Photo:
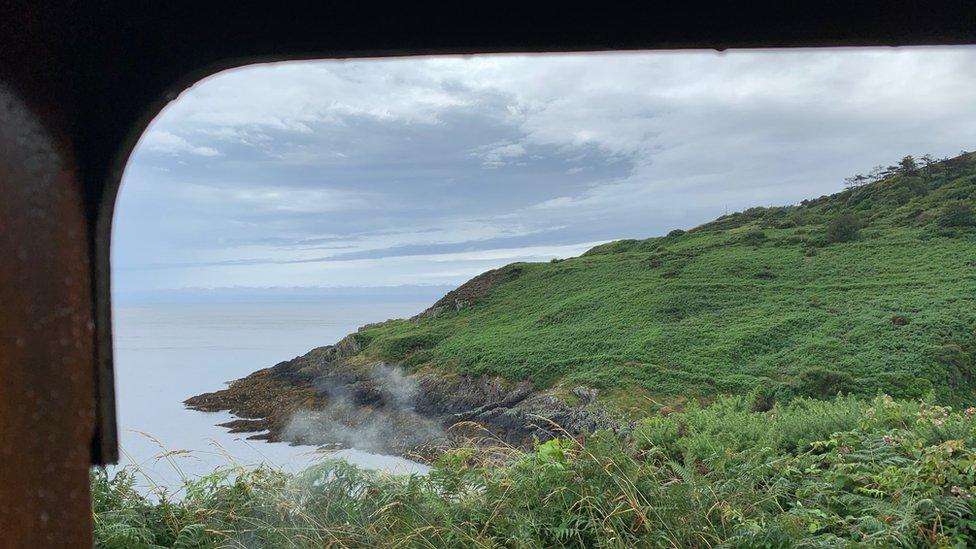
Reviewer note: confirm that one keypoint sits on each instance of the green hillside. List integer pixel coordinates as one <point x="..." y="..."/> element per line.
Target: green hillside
<point x="869" y="290"/>
<point x="872" y="290"/>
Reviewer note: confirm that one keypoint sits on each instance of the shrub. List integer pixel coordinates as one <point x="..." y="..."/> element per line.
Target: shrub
<point x="900" y="320"/>
<point x="615" y="247"/>
<point x="764" y="397"/>
<point x="654" y="262"/>
<point x="401" y="346"/>
<point x="899" y="196"/>
<point x="753" y="238"/>
<point x="843" y="228"/>
<point x="417" y="358"/>
<point x="823" y="383"/>
<point x="956" y="214"/>
<point x="676" y="232"/>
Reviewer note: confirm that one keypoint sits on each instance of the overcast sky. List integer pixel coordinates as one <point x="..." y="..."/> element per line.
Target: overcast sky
<point x="428" y="171"/>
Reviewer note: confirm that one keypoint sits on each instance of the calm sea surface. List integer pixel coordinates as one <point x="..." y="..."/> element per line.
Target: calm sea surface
<point x="166" y="353"/>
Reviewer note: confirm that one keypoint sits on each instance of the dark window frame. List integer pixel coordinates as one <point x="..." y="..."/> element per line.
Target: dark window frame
<point x="85" y="80"/>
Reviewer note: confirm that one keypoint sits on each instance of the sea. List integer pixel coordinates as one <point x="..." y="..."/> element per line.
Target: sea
<point x="167" y="352"/>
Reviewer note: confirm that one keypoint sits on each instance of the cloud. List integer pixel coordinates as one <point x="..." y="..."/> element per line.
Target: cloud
<point x="558" y="202"/>
<point x="296" y="97"/>
<point x="498" y="154"/>
<point x="390" y="171"/>
<point x="276" y="199"/>
<point x="168" y="143"/>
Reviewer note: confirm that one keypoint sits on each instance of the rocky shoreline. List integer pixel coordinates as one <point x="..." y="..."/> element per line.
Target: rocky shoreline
<point x="334" y="396"/>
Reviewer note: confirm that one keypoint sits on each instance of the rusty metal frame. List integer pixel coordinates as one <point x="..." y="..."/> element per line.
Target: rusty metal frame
<point x="82" y="81"/>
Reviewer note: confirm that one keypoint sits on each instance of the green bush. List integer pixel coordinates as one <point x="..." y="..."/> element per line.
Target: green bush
<point x="957" y="214"/>
<point x="754" y="237"/>
<point x="400" y="347"/>
<point x="823" y="383"/>
<point x="843" y="228"/>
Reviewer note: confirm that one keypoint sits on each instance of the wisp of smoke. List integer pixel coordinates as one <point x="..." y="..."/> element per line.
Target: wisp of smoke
<point x="372" y="410"/>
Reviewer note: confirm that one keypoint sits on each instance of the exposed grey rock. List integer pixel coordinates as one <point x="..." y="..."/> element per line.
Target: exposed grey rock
<point x="586" y="395"/>
<point x="382" y="407"/>
<point x="347" y="346"/>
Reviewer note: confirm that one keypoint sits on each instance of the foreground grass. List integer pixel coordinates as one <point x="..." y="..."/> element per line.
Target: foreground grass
<point x="808" y="473"/>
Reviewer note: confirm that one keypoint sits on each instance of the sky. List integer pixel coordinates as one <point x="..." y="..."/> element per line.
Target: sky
<point x="327" y="176"/>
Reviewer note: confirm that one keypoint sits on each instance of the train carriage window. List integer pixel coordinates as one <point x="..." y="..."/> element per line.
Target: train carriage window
<point x="657" y="297"/>
<point x="611" y="277"/>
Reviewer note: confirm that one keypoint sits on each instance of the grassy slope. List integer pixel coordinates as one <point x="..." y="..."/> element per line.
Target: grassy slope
<point x="752" y="300"/>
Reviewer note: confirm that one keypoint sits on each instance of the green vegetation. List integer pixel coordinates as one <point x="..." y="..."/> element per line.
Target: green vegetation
<point x="957" y="214"/>
<point x="811" y="473"/>
<point x="843" y="228"/>
<point x="870" y="290"/>
<point x="729" y="342"/>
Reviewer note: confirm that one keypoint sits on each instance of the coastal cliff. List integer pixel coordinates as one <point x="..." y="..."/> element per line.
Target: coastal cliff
<point x="866" y="291"/>
<point x="335" y="396"/>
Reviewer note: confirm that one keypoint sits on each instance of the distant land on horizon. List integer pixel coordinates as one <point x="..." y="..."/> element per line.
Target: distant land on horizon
<point x="244" y="294"/>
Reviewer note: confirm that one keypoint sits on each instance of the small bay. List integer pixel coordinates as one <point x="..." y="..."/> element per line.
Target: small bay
<point x="165" y="353"/>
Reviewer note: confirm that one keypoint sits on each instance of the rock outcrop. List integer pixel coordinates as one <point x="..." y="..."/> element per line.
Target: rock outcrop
<point x="334" y="396"/>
